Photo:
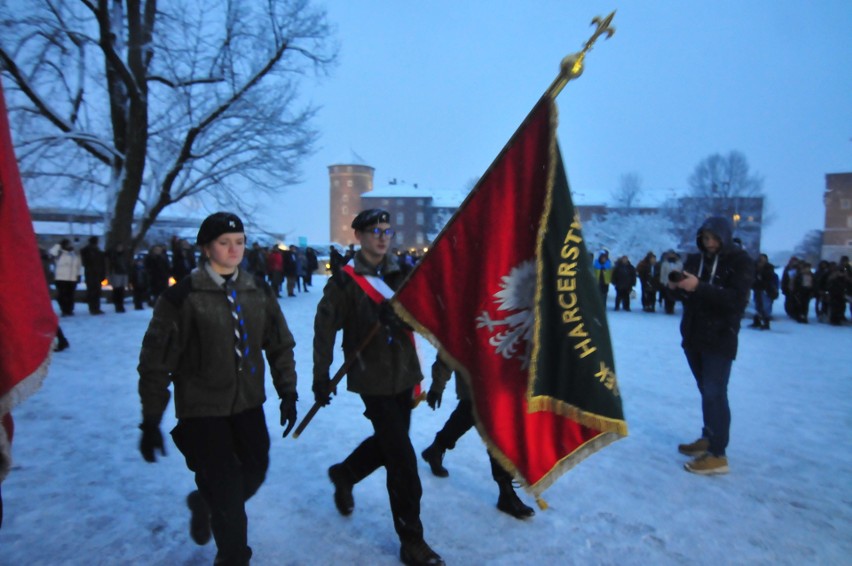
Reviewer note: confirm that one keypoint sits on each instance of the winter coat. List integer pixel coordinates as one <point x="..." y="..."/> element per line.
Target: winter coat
<point x="647" y="274"/>
<point x="158" y="269"/>
<point x="604" y="269"/>
<point x="712" y="313"/>
<point x="766" y="280"/>
<point x="389" y="363"/>
<point x="666" y="267"/>
<point x="190" y="342"/>
<point x="66" y="264"/>
<point x="623" y="276"/>
<point x="94" y="263"/>
<point x="274" y="262"/>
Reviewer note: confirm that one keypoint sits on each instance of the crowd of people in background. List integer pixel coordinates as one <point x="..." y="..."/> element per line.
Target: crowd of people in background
<point x="829" y="286"/>
<point x="291" y="268"/>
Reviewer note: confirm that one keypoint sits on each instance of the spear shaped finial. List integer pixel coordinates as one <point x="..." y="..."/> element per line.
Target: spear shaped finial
<point x="572" y="65"/>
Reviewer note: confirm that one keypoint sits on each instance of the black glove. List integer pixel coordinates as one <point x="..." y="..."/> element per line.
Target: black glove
<point x="288" y="411"/>
<point x="433" y="399"/>
<point x="151" y="440"/>
<point x="389" y="318"/>
<point x="322" y="390"/>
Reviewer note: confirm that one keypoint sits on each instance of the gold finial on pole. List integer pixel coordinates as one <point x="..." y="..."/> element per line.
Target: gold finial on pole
<point x="572" y="65"/>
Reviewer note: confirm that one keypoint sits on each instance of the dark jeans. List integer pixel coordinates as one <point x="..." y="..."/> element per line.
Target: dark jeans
<point x="230" y="456"/>
<point x="460" y="421"/>
<point x="763" y="305"/>
<point x="391" y="447"/>
<point x="712" y="373"/>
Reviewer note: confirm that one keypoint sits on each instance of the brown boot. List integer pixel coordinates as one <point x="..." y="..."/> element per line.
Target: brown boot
<point x="708" y="465"/>
<point x="696" y="448"/>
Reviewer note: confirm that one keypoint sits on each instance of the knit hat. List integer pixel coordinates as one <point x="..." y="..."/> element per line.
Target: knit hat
<point x="217" y="224"/>
<point x="370" y="217"/>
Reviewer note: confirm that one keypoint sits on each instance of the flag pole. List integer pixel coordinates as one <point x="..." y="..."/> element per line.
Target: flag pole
<point x="570" y="68"/>
<point x="572" y="65"/>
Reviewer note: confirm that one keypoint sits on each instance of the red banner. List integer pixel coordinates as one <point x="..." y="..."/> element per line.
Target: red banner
<point x="477" y="295"/>
<point x="27" y="321"/>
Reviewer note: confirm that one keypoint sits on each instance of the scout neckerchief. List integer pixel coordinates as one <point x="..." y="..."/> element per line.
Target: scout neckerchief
<point x="379" y="291"/>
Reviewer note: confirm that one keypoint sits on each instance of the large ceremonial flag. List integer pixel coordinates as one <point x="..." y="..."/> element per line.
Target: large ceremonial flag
<point x="27" y="321"/>
<point x="507" y="295"/>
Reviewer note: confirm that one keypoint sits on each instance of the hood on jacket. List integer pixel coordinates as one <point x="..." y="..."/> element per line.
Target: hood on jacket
<point x="720" y="227"/>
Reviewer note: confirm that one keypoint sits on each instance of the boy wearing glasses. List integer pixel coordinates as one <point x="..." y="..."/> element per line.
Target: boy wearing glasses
<point x="385" y="373"/>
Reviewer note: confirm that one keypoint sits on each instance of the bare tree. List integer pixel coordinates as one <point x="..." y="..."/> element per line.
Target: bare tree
<point x="810" y="248"/>
<point x="143" y="106"/>
<point x="629" y="191"/>
<point x="720" y="186"/>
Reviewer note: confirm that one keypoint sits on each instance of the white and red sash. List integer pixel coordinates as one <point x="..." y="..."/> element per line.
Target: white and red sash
<point x="379" y="292"/>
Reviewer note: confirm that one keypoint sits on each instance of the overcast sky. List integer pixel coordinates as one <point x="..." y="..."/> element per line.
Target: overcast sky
<point x="429" y="92"/>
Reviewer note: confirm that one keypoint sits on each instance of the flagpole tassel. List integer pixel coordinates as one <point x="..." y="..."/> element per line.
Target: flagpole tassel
<point x="542" y="504"/>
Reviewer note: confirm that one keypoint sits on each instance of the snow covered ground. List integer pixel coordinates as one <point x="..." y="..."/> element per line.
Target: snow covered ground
<point x="80" y="493"/>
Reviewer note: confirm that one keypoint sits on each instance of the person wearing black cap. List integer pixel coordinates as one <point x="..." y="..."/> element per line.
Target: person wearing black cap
<point x="206" y="336"/>
<point x="714" y="287"/>
<point x="354" y="300"/>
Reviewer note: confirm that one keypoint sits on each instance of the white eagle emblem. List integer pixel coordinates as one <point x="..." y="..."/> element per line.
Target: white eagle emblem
<point x="516" y="295"/>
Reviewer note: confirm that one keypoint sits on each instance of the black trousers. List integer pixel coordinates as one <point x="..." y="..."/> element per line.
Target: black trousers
<point x="230" y="456"/>
<point x="622" y="297"/>
<point x="93" y="294"/>
<point x="65" y="295"/>
<point x="460" y="421"/>
<point x="390" y="446"/>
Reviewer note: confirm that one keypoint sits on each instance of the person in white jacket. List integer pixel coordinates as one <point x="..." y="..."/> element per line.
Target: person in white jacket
<point x="66" y="275"/>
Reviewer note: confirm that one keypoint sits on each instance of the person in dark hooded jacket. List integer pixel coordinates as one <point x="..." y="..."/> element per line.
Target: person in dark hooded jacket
<point x="714" y="287"/>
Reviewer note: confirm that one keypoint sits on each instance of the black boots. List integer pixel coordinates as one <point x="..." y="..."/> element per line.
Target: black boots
<point x="756" y="323"/>
<point x="509" y="502"/>
<point x="434" y="456"/>
<point x="343" y="499"/>
<point x="199" y="523"/>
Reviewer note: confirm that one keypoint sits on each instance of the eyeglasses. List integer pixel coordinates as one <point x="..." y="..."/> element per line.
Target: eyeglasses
<point x="378" y="232"/>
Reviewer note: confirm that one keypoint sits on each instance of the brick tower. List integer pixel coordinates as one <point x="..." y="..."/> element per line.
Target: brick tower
<point x="346" y="183"/>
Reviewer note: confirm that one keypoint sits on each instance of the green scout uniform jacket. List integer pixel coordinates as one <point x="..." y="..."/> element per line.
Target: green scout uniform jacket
<point x="389" y="364"/>
<point x="190" y="342"/>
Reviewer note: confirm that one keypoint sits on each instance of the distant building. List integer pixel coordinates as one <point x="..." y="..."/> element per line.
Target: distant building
<point x="837" y="232"/>
<point x="347" y="182"/>
<point x="52" y="224"/>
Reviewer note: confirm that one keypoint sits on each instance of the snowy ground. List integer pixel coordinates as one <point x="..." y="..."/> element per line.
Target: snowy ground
<point x="80" y="493"/>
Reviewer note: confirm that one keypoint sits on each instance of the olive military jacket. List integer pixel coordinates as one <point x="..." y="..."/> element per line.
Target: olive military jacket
<point x="389" y="363"/>
<point x="190" y="342"/>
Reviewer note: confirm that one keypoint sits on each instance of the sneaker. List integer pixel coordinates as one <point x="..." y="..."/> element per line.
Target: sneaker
<point x="708" y="465"/>
<point x="418" y="553"/>
<point x="343" y="499"/>
<point x="696" y="448"/>
<point x="199" y="523"/>
<point x="434" y="456"/>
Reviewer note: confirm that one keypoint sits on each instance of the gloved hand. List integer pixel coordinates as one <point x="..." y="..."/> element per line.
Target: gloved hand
<point x="389" y="318"/>
<point x="151" y="440"/>
<point x="322" y="390"/>
<point x="288" y="411"/>
<point x="433" y="399"/>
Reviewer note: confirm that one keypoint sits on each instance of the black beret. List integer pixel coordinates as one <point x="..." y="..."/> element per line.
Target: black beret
<point x="370" y="217"/>
<point x="217" y="224"/>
